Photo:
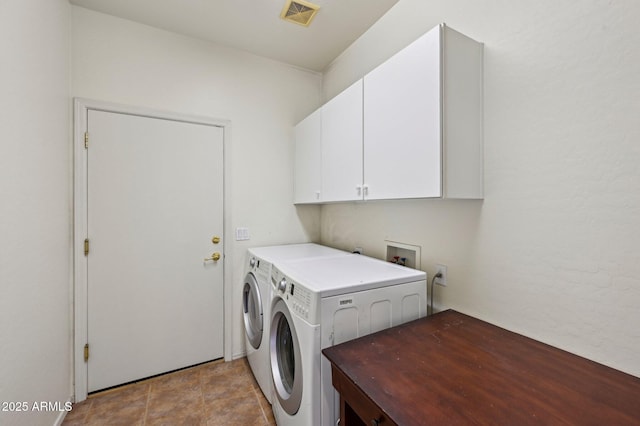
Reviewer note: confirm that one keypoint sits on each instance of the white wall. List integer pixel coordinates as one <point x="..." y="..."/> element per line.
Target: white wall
<point x="121" y="61"/>
<point x="552" y="252"/>
<point x="35" y="239"/>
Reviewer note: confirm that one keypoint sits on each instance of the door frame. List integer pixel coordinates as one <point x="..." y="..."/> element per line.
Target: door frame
<point x="82" y="106"/>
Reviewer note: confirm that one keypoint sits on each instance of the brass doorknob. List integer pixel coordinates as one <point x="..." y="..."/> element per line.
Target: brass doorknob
<point x="215" y="257"/>
<point x="215" y="240"/>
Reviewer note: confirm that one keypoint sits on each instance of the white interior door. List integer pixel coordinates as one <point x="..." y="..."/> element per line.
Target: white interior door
<point x="154" y="203"/>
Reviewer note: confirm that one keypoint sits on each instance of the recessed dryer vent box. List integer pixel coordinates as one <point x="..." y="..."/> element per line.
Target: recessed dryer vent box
<point x="398" y="251"/>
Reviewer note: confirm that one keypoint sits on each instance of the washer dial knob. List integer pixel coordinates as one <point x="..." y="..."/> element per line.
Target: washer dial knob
<point x="282" y="285"/>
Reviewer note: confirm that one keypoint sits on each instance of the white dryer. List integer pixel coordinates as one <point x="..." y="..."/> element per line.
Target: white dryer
<point x="256" y="301"/>
<point x="318" y="303"/>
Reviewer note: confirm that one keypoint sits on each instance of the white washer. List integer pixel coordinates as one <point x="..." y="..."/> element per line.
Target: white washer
<point x="318" y="303"/>
<point x="256" y="301"/>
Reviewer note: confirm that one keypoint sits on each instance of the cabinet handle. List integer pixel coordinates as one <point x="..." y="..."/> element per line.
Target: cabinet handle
<point x="359" y="189"/>
<point x="365" y="188"/>
<point x="376" y="422"/>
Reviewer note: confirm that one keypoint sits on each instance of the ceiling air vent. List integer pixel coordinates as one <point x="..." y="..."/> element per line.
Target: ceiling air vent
<point x="299" y="11"/>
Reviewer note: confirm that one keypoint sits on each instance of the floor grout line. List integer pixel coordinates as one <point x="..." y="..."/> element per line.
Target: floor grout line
<point x="86" y="416"/>
<point x="146" y="407"/>
<point x="257" y="397"/>
<point x="201" y="381"/>
<point x="264" y="414"/>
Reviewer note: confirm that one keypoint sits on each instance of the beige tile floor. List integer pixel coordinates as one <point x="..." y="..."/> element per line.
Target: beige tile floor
<point x="212" y="394"/>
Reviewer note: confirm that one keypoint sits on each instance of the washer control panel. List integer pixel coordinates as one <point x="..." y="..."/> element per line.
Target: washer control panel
<point x="300" y="299"/>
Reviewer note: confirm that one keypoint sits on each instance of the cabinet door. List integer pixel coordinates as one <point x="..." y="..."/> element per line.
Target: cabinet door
<point x="307" y="160"/>
<point x="342" y="146"/>
<point x="402" y="122"/>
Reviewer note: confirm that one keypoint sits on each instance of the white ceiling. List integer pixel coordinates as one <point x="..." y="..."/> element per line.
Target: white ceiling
<point x="255" y="25"/>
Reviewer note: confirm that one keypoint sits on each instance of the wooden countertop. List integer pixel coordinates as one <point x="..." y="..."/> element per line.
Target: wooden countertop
<point x="451" y="368"/>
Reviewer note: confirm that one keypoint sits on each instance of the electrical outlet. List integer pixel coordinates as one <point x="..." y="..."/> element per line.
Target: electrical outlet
<point x="443" y="279"/>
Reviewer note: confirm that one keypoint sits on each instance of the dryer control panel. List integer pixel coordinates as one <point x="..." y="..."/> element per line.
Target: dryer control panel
<point x="261" y="268"/>
<point x="300" y="300"/>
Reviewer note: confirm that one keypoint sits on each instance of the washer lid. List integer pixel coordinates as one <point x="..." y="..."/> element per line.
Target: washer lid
<point x="337" y="275"/>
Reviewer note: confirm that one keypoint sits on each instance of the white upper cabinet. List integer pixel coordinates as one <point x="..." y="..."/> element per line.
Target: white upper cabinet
<point x="308" y="159"/>
<point x="342" y="146"/>
<point x="412" y="128"/>
<point x="423" y="120"/>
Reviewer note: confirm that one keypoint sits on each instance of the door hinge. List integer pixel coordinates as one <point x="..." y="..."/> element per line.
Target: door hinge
<point x="86" y="140"/>
<point x="86" y="352"/>
<point x="86" y="246"/>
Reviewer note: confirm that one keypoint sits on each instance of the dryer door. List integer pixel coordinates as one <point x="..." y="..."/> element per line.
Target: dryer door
<point x="252" y="310"/>
<point x="286" y="368"/>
